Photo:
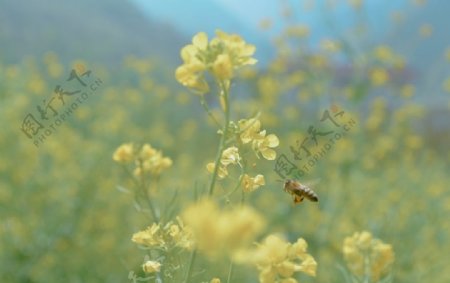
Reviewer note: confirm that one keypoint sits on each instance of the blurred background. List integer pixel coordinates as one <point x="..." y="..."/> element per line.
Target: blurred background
<point x="385" y="63"/>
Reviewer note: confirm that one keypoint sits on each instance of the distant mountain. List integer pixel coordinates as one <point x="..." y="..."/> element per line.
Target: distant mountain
<point x="101" y="31"/>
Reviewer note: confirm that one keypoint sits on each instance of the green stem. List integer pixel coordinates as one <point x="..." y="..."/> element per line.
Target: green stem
<point x="146" y="194"/>
<point x="191" y="264"/>
<point x="222" y="140"/>
<point x="205" y="106"/>
<point x="138" y="186"/>
<point x="230" y="272"/>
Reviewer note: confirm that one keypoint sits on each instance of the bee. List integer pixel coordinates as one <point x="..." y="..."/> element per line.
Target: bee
<point x="299" y="191"/>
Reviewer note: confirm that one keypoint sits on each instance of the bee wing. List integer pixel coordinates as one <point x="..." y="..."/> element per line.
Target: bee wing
<point x="312" y="183"/>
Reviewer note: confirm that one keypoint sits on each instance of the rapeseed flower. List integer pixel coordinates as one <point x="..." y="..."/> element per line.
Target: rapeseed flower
<point x="151" y="266"/>
<point x="366" y="256"/>
<point x="220" y="57"/>
<point x="263" y="144"/>
<point x="277" y="260"/>
<point x="250" y="131"/>
<point x="250" y="184"/>
<point x="229" y="156"/>
<point x="172" y="234"/>
<point x="222" y="232"/>
<point x="124" y="153"/>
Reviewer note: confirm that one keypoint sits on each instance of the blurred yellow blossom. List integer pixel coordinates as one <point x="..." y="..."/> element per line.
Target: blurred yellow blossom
<point x="425" y="30"/>
<point x="149" y="237"/>
<point x="151" y="161"/>
<point x="330" y="45"/>
<point x="151" y="266"/>
<point x="446" y="85"/>
<point x="220" y="57"/>
<point x="147" y="152"/>
<point x="355" y="3"/>
<point x="278" y="260"/>
<point x="362" y="252"/>
<point x="408" y="90"/>
<point x="379" y="76"/>
<point x="222" y="67"/>
<point x="297" y="31"/>
<point x="215" y="280"/>
<point x="383" y="53"/>
<point x="250" y="184"/>
<point x="219" y="232"/>
<point x="124" y="153"/>
<point x="265" y="24"/>
<point x="447" y="54"/>
<point x="222" y="171"/>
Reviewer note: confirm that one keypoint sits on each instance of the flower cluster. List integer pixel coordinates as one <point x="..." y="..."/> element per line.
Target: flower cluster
<point x="366" y="256"/>
<point x="250" y="131"/>
<point x="250" y="184"/>
<point x="165" y="237"/>
<point x="219" y="232"/>
<point x="220" y="56"/>
<point x="151" y="266"/>
<point x="278" y="260"/>
<point x="229" y="156"/>
<point x="148" y="160"/>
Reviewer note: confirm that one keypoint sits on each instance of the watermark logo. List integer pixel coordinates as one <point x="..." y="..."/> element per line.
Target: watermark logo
<point x="39" y="125"/>
<point x="320" y="140"/>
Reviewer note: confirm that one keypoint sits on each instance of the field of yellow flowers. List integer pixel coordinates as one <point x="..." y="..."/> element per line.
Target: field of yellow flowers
<point x="152" y="174"/>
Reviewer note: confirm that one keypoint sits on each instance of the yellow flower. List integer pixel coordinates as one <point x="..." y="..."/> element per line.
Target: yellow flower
<point x="362" y="252"/>
<point x="249" y="129"/>
<point x="264" y="144"/>
<point x="222" y="67"/>
<point x="165" y="237"/>
<point x="379" y="76"/>
<point x="384" y="53"/>
<point x="230" y="156"/>
<point x="149" y="237"/>
<point x="124" y="153"/>
<point x="191" y="76"/>
<point x="151" y="266"/>
<point x="308" y="265"/>
<point x="221" y="173"/>
<point x="147" y="152"/>
<point x="276" y="258"/>
<point x="408" y="90"/>
<point x="151" y="161"/>
<point x="220" y="57"/>
<point x="215" y="280"/>
<point x="250" y="184"/>
<point x="240" y="52"/>
<point x="222" y="232"/>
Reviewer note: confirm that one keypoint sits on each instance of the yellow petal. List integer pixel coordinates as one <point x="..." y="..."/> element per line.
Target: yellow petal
<point x="200" y="40"/>
<point x="269" y="154"/>
<point x="259" y="180"/>
<point x="272" y="140"/>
